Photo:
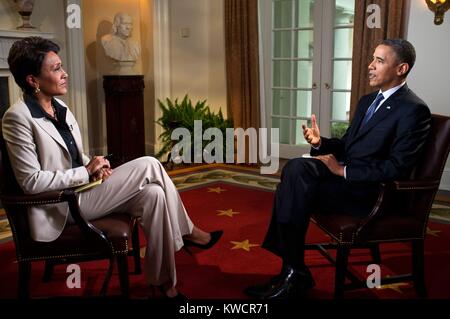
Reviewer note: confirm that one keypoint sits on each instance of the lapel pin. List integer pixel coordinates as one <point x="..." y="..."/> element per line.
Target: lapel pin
<point x="388" y="107"/>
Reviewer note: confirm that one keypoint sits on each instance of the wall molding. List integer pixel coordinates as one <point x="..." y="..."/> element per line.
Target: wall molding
<point x="77" y="83"/>
<point x="161" y="44"/>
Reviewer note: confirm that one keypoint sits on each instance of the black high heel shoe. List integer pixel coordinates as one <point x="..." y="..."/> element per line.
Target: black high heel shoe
<point x="215" y="236"/>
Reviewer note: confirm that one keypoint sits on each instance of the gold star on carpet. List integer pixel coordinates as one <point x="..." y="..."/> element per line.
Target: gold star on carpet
<point x="245" y="245"/>
<point x="217" y="190"/>
<point x="228" y="212"/>
<point x="433" y="232"/>
<point x="396" y="287"/>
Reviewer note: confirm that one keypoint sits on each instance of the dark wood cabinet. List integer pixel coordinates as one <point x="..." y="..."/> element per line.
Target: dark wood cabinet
<point x="124" y="98"/>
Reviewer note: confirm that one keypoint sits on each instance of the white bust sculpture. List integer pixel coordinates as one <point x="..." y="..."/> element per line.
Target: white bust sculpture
<point x="118" y="45"/>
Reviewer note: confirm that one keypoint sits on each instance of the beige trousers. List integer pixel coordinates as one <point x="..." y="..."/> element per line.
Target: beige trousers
<point x="142" y="188"/>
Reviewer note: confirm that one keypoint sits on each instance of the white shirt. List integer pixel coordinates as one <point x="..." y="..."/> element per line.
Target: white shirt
<point x="387" y="94"/>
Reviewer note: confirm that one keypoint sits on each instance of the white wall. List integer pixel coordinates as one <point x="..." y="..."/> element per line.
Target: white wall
<point x="198" y="61"/>
<point x="429" y="78"/>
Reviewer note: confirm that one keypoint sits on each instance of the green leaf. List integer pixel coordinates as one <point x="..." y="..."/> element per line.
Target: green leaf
<point x="183" y="114"/>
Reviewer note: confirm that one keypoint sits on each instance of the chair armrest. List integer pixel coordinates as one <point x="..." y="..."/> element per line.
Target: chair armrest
<point x="35" y="199"/>
<point x="55" y="197"/>
<point x="86" y="227"/>
<point x="387" y="194"/>
<point x="415" y="185"/>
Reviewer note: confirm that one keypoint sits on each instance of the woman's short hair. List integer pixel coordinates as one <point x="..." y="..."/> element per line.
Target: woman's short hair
<point x="26" y="57"/>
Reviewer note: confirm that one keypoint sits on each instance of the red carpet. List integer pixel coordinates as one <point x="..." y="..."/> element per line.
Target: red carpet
<point x="223" y="272"/>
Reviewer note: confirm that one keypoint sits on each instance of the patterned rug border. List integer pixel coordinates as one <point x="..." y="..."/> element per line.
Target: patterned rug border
<point x="208" y="167"/>
<point x="213" y="183"/>
<point x="217" y="175"/>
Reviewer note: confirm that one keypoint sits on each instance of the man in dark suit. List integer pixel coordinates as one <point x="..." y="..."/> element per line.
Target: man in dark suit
<point x="382" y="144"/>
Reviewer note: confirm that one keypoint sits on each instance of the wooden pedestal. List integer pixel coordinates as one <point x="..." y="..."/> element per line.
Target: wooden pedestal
<point x="124" y="98"/>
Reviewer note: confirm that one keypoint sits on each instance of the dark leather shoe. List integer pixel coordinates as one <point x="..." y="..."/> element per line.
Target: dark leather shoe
<point x="215" y="236"/>
<point x="293" y="284"/>
<point x="259" y="291"/>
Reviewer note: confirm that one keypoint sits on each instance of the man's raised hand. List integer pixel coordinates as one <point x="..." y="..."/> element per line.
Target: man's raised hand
<point x="312" y="134"/>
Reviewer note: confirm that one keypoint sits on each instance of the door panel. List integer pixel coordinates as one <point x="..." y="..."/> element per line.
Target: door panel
<point x="307" y="66"/>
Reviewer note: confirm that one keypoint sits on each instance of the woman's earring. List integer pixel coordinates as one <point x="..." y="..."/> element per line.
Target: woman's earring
<point x="37" y="90"/>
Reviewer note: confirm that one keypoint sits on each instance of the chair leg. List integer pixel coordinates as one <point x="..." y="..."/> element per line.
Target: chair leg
<point x="48" y="271"/>
<point x="24" y="279"/>
<point x="107" y="279"/>
<point x="375" y="252"/>
<point x="418" y="268"/>
<point x="342" y="254"/>
<point x="122" y="265"/>
<point x="136" y="249"/>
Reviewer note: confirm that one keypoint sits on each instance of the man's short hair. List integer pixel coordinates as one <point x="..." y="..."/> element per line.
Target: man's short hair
<point x="404" y="51"/>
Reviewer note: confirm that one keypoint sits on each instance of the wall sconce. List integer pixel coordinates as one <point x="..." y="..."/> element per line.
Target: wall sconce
<point x="438" y="7"/>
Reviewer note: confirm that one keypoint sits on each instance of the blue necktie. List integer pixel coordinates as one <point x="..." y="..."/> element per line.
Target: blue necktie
<point x="372" y="108"/>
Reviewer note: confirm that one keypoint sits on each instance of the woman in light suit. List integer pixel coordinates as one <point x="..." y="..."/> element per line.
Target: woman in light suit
<point x="46" y="153"/>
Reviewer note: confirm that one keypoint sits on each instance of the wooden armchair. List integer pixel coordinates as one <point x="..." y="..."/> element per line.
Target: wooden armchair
<point x="104" y="238"/>
<point x="400" y="215"/>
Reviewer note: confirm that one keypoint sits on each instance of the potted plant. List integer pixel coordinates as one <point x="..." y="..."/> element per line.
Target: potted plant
<point x="183" y="114"/>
